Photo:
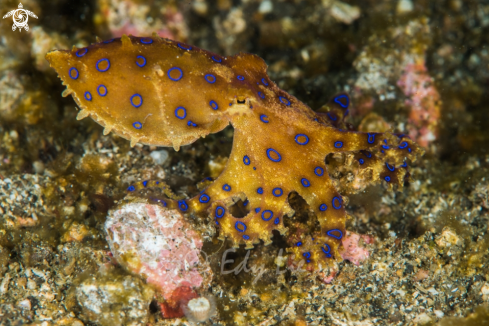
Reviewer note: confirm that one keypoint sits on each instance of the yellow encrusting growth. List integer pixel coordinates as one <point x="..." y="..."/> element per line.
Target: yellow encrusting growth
<point x="160" y="92"/>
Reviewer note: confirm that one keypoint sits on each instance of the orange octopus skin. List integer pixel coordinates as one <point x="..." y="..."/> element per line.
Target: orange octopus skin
<point x="160" y="92"/>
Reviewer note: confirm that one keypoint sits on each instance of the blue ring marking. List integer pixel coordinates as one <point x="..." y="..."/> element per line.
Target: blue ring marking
<point x="337" y="100"/>
<point x="404" y="165"/>
<point x="146" y="40"/>
<point x="280" y="192"/>
<point x="191" y="124"/>
<point x="371" y="138"/>
<point x="305" y="182"/>
<point x="338" y="144"/>
<point x="299" y="142"/>
<point x="102" y="87"/>
<point x="387" y="178"/>
<point x="263" y="80"/>
<point x="299" y="244"/>
<point x="218" y="60"/>
<point x="284" y="100"/>
<point x="175" y="68"/>
<point x="159" y="201"/>
<point x="361" y="161"/>
<point x="210" y="78"/>
<point x="246" y="160"/>
<point x="246" y="202"/>
<point x="307" y="255"/>
<point x="204" y="198"/>
<point x="88" y="96"/>
<point x="367" y="154"/>
<point x="181" y="117"/>
<point x="330" y="233"/>
<point x="240" y="77"/>
<point x="145" y="183"/>
<point x="254" y="168"/>
<point x="403" y="145"/>
<point x="137" y="125"/>
<point x="140" y="100"/>
<point x="131" y="188"/>
<point x="98" y="62"/>
<point x="264" y="118"/>
<point x="326" y="252"/>
<point x="259" y="190"/>
<point x="330" y="117"/>
<point x="220" y="211"/>
<point x="319" y="171"/>
<point x="270" y="158"/>
<point x="108" y="41"/>
<point x="78" y="54"/>
<point x="390" y="167"/>
<point x="260" y="94"/>
<point x="323" y="207"/>
<point x="257" y="210"/>
<point x="246" y="237"/>
<point x="144" y="61"/>
<point x="263" y="215"/>
<point x="226" y="187"/>
<point x="277" y="221"/>
<point x="338" y="199"/>
<point x="241" y="224"/>
<point x="182" y="205"/>
<point x="213" y="105"/>
<point x="183" y="47"/>
<point x="71" y="73"/>
<point x="409" y="149"/>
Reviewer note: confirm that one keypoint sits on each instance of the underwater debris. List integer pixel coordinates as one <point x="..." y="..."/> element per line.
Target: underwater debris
<point x="109" y="299"/>
<point x="352" y="249"/>
<point x="423" y="99"/>
<point x="398" y="58"/>
<point x="131" y="17"/>
<point x="279" y="143"/>
<point x="158" y="244"/>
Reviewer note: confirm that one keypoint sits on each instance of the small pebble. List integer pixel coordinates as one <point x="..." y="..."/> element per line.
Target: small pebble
<point x="24" y="304"/>
<point x="265" y="7"/>
<point x="160" y="156"/>
<point x="404" y="6"/>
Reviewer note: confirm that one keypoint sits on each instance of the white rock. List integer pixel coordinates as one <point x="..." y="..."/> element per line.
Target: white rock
<point x="422" y="319"/>
<point x="265" y="7"/>
<point x="160" y="156"/>
<point x="485" y="291"/>
<point x="345" y="13"/>
<point x="404" y="6"/>
<point x="24" y="304"/>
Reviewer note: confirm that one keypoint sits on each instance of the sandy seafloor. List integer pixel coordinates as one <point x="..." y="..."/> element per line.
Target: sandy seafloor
<point x="416" y="67"/>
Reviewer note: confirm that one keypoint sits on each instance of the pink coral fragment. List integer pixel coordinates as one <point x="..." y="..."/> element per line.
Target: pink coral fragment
<point x="159" y="244"/>
<point x="424" y="100"/>
<point x="352" y="251"/>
